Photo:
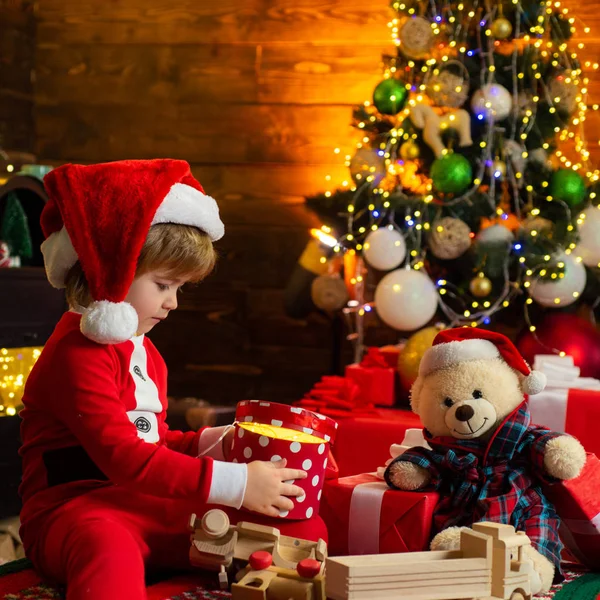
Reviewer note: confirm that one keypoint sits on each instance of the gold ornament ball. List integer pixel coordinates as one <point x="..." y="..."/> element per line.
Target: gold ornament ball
<point x="501" y="28"/>
<point x="498" y="168"/>
<point x="412" y="353"/>
<point x="409" y="151"/>
<point x="480" y="287"/>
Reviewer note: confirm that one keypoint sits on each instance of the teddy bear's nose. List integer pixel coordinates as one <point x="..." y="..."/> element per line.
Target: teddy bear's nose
<point x="464" y="412"/>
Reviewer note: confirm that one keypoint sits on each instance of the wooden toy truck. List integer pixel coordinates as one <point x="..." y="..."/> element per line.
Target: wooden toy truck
<point x="483" y="568"/>
<point x="216" y="544"/>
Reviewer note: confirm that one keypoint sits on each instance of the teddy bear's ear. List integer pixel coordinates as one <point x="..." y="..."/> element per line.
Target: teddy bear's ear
<point x="415" y="394"/>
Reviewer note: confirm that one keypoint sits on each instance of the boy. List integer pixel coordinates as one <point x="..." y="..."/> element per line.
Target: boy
<point x="107" y="488"/>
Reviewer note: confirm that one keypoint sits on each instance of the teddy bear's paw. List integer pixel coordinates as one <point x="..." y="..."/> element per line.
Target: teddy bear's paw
<point x="543" y="570"/>
<point x="448" y="539"/>
<point x="564" y="457"/>
<point x="408" y="476"/>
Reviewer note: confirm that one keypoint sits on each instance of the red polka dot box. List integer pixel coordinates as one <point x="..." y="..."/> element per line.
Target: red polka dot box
<point x="271" y="431"/>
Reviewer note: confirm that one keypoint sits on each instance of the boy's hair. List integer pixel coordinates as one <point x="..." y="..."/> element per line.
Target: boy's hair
<point x="181" y="251"/>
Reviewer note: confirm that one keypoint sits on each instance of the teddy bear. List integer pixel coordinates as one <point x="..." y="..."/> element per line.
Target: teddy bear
<point x="485" y="458"/>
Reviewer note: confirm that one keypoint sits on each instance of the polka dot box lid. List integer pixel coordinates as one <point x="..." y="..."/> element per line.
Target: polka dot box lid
<point x="283" y="415"/>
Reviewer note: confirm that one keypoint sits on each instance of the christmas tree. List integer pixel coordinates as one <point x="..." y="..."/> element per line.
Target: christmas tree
<point x="470" y="194"/>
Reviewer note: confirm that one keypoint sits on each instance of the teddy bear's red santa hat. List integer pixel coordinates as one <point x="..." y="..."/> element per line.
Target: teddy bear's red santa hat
<point x="101" y="214"/>
<point x="453" y="346"/>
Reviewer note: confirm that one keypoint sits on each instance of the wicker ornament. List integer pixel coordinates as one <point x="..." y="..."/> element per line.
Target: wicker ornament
<point x="416" y="37"/>
<point x="449" y="238"/>
<point x="513" y="153"/>
<point x="367" y="165"/>
<point x="539" y="225"/>
<point x="563" y="95"/>
<point x="525" y="104"/>
<point x="447" y="89"/>
<point x="329" y="292"/>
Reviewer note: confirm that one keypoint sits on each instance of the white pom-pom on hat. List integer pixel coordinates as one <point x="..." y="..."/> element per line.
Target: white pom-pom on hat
<point x="534" y="383"/>
<point x="108" y="322"/>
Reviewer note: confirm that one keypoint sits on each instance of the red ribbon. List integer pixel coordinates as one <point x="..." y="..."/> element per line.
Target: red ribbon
<point x="335" y="396"/>
<point x="374" y="358"/>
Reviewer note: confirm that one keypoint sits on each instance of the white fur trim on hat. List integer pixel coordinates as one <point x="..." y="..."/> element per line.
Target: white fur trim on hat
<point x="445" y="355"/>
<point x="108" y="322"/>
<point x="534" y="383"/>
<point x="59" y="257"/>
<point x="186" y="205"/>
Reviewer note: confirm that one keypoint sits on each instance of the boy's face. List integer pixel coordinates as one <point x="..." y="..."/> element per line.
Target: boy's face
<point x="153" y="295"/>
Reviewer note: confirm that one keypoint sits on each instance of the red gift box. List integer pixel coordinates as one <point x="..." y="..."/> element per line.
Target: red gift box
<point x="578" y="505"/>
<point x="569" y="404"/>
<point x="376" y="380"/>
<point x="573" y="411"/>
<point x="363" y="443"/>
<point x="364" y="516"/>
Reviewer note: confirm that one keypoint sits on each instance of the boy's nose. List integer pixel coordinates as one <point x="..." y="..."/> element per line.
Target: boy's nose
<point x="171" y="302"/>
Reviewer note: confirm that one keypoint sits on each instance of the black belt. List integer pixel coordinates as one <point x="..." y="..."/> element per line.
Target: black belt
<point x="73" y="463"/>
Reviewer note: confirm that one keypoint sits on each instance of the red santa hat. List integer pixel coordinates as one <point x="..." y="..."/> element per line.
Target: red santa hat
<point x="101" y="214"/>
<point x="453" y="346"/>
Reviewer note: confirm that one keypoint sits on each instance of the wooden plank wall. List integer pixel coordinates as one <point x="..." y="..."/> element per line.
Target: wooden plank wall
<point x="17" y="52"/>
<point x="256" y="94"/>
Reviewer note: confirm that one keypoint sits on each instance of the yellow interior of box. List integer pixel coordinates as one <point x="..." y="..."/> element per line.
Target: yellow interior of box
<point x="281" y="433"/>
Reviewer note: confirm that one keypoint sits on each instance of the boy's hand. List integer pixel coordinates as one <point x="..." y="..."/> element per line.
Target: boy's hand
<point x="265" y="491"/>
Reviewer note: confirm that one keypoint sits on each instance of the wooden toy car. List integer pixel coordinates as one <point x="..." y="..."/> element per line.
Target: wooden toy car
<point x="483" y="568"/>
<point x="216" y="544"/>
<point x="260" y="580"/>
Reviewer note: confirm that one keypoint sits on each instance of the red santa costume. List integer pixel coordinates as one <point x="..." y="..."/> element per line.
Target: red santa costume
<point x="107" y="488"/>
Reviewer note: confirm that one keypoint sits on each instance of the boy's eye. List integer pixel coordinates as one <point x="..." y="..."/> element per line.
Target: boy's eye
<point x="162" y="286"/>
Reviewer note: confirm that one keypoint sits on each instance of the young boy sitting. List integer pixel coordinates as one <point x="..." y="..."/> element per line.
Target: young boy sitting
<point x="107" y="488"/>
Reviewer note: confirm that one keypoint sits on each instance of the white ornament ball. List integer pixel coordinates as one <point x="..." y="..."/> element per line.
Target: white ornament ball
<point x="406" y="299"/>
<point x="492" y="100"/>
<point x="562" y="291"/>
<point x="494" y="234"/>
<point x="589" y="237"/>
<point x="384" y="249"/>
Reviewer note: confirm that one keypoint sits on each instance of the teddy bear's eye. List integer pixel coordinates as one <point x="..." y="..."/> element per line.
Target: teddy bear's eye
<point x="448" y="402"/>
<point x="477" y="394"/>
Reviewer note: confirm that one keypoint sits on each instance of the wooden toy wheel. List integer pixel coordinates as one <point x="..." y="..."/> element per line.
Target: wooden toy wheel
<point x="215" y="523"/>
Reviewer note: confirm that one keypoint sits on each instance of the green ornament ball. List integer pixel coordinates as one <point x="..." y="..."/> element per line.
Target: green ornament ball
<point x="568" y="186"/>
<point x="451" y="174"/>
<point x="390" y="96"/>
